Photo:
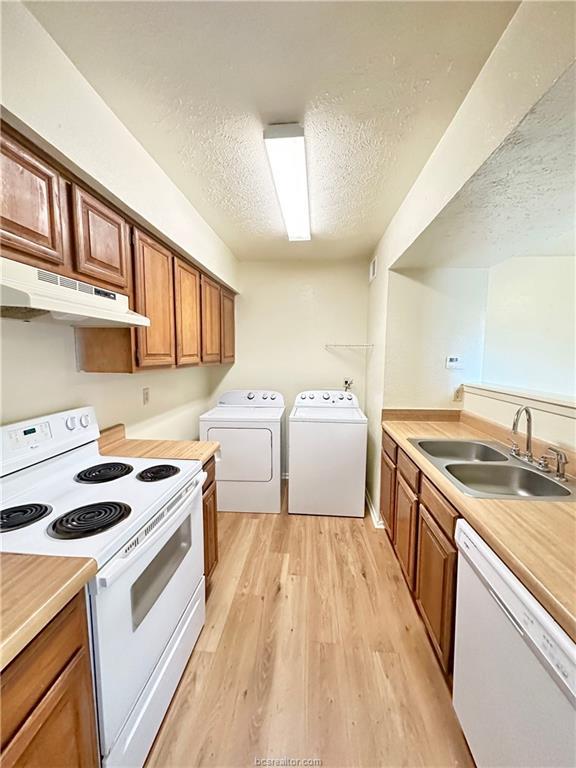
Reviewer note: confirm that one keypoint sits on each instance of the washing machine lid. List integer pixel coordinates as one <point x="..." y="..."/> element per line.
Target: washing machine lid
<point x="332" y="415"/>
<point x="243" y="413"/>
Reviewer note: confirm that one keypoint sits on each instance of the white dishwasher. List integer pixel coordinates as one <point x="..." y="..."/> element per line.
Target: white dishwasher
<point x="514" y="667"/>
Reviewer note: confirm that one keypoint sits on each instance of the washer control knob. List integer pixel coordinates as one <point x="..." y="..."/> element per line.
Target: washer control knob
<point x="251" y="395"/>
<point x="349" y="397"/>
<point x="311" y="396"/>
<point x="340" y="397"/>
<point x="84" y="420"/>
<point x="302" y="397"/>
<point x="265" y="396"/>
<point x="272" y="397"/>
<point x="71" y="423"/>
<point x="326" y="396"/>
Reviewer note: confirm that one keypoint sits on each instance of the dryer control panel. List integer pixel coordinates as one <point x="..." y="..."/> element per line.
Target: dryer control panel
<point x="252" y="397"/>
<point x="327" y="398"/>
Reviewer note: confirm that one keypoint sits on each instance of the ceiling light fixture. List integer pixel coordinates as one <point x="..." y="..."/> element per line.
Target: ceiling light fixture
<point x="287" y="157"/>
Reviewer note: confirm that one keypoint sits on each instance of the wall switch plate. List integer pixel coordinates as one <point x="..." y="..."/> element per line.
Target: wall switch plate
<point x="455" y="362"/>
<point x="145" y="395"/>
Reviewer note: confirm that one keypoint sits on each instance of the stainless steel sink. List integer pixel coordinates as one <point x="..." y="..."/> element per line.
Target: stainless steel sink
<point x="506" y="480"/>
<point x="464" y="450"/>
<point x="487" y="470"/>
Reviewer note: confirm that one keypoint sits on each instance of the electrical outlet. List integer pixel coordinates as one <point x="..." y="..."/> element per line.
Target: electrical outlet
<point x="145" y="395"/>
<point x="459" y="394"/>
<point x="348" y="384"/>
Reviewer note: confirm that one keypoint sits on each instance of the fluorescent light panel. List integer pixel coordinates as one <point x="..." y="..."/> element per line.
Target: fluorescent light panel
<point x="287" y="157"/>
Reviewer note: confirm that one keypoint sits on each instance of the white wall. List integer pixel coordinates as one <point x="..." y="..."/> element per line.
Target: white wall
<point x="531" y="324"/>
<point x="433" y="314"/>
<point x="39" y="376"/>
<point x="286" y="313"/>
<point x="46" y="97"/>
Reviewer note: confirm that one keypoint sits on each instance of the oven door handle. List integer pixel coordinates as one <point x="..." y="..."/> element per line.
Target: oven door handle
<point x="111" y="573"/>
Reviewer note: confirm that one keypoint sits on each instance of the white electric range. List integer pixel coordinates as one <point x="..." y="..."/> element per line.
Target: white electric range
<point x="141" y="521"/>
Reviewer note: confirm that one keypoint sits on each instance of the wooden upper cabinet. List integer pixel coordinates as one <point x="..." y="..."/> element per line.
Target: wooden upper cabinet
<point x="102" y="248"/>
<point x="228" y="330"/>
<point x="436" y="584"/>
<point x="388" y="493"/>
<point x="154" y="297"/>
<point x="211" y="321"/>
<point x="30" y="206"/>
<point x="405" y="527"/>
<point x="187" y="295"/>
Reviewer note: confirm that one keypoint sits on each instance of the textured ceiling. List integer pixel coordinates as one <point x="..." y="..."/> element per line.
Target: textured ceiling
<point x="374" y="83"/>
<point x="521" y="202"/>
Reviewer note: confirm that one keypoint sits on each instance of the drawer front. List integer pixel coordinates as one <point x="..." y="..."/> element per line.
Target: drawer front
<point x="441" y="510"/>
<point x="389" y="446"/>
<point x="409" y="470"/>
<point x="210" y="469"/>
<point x="27" y="679"/>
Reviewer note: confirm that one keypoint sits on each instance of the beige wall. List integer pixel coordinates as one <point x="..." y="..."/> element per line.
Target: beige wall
<point x="285" y="314"/>
<point x="531" y="324"/>
<point x="45" y="96"/>
<point x="433" y="314"/>
<point x="39" y="376"/>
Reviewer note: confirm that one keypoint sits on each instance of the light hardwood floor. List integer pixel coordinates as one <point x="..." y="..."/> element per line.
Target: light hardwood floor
<point x="312" y="649"/>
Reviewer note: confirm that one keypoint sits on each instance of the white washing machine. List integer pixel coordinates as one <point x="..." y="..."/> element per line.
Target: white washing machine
<point x="248" y="426"/>
<point x="327" y="454"/>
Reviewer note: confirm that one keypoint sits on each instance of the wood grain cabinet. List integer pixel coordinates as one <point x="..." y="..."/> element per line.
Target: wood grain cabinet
<point x="228" y="331"/>
<point x="154" y="297"/>
<point x="187" y="300"/>
<point x="48" y="715"/>
<point x="210" y="510"/>
<point x="30" y="218"/>
<point x="405" y="528"/>
<point x="436" y="584"/>
<point x="388" y="493"/>
<point x="101" y="238"/>
<point x="211" y="321"/>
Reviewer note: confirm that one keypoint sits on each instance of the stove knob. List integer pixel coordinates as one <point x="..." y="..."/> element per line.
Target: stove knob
<point x="326" y="396"/>
<point x="340" y="397"/>
<point x="84" y="420"/>
<point x="251" y="395"/>
<point x="311" y="396"/>
<point x="71" y="423"/>
<point x="265" y="396"/>
<point x="349" y="397"/>
<point x="272" y="397"/>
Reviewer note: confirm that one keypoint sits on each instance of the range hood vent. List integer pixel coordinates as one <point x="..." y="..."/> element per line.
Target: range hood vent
<point x="27" y="292"/>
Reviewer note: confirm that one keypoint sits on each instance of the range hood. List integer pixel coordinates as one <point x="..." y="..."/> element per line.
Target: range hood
<point x="27" y="292"/>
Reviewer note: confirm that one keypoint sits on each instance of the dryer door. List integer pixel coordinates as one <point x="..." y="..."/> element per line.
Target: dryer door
<point x="246" y="453"/>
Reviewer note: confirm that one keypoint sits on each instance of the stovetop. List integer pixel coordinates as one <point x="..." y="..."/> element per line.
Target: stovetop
<point x="80" y="490"/>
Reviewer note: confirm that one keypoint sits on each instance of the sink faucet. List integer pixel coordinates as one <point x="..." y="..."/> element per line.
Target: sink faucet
<point x="524" y="409"/>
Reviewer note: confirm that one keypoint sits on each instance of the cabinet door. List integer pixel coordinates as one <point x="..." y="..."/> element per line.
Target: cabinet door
<point x="387" y="493"/>
<point x="154" y="297"/>
<point x="211" y="341"/>
<point x="101" y="240"/>
<point x="187" y="297"/>
<point x="228" y="327"/>
<point x="30" y="206"/>
<point x="60" y="730"/>
<point x="435" y="584"/>
<point x="210" y="530"/>
<point x="405" y="529"/>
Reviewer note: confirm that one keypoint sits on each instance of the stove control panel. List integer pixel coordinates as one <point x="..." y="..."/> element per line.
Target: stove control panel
<point x="28" y="442"/>
<point x="328" y="398"/>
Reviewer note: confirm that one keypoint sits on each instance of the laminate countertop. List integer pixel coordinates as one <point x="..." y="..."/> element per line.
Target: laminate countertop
<point x="535" y="539"/>
<point x="113" y="442"/>
<point x="33" y="589"/>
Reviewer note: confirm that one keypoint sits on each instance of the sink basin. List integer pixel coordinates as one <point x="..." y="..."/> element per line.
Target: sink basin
<point x="505" y="480"/>
<point x="465" y="450"/>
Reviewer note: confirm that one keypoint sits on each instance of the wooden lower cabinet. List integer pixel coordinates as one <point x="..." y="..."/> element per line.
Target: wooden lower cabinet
<point x="48" y="716"/>
<point x="210" y="510"/>
<point x="436" y="585"/>
<point x="388" y="493"/>
<point x="405" y="527"/>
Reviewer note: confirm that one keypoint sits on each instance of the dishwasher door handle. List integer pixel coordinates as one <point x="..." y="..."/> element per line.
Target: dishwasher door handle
<point x="513" y="620"/>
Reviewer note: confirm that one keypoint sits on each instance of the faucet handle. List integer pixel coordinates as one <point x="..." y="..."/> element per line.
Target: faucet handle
<point x="515" y="451"/>
<point x="561" y="461"/>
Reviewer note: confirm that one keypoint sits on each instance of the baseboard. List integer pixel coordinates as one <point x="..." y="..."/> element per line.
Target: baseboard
<point x="377" y="521"/>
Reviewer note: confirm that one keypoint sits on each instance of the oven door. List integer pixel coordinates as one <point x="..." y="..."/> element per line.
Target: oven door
<point x="136" y="602"/>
